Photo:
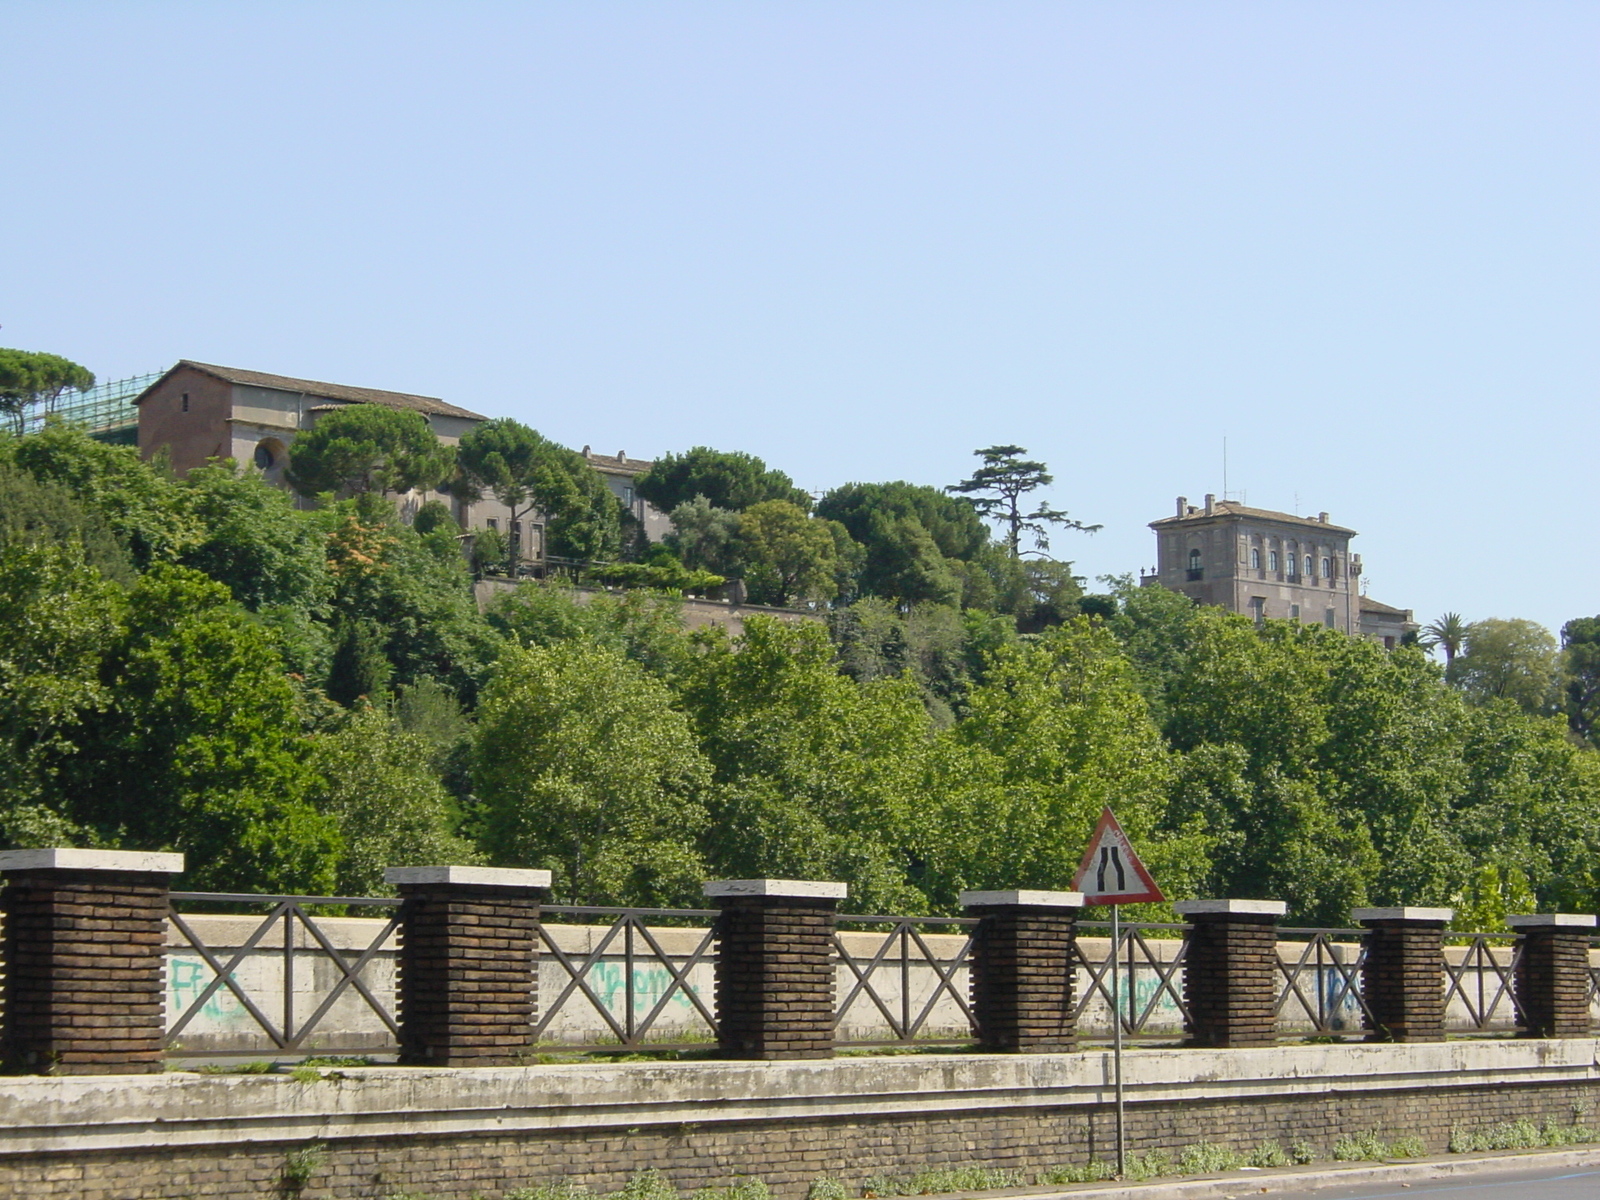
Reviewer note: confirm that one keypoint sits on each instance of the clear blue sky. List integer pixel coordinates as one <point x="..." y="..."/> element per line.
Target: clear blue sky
<point x="860" y="240"/>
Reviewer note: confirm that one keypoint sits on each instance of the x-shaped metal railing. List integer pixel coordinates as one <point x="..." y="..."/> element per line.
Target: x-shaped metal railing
<point x="1323" y="959"/>
<point x="894" y="958"/>
<point x="291" y="912"/>
<point x="638" y="945"/>
<point x="1482" y="982"/>
<point x="1131" y="954"/>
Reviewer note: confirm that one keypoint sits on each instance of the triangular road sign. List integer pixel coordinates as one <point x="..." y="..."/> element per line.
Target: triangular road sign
<point x="1111" y="872"/>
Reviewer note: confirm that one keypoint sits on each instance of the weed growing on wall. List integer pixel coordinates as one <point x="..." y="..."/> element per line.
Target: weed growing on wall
<point x="1268" y="1154"/>
<point x="827" y="1187"/>
<point x="1369" y="1147"/>
<point x="298" y="1168"/>
<point x="646" y="1185"/>
<point x="561" y="1189"/>
<point x="1205" y="1158"/>
<point x="1089" y="1172"/>
<point x="941" y="1179"/>
<point x="1521" y="1135"/>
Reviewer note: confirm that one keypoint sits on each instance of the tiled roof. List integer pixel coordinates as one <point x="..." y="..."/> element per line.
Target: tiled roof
<point x="1369" y="605"/>
<point x="1231" y="508"/>
<point x="617" y="464"/>
<point x="427" y="405"/>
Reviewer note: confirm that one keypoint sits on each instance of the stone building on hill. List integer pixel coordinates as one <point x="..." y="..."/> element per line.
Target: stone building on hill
<point x="619" y="473"/>
<point x="1385" y="623"/>
<point x="197" y="411"/>
<point x="1268" y="564"/>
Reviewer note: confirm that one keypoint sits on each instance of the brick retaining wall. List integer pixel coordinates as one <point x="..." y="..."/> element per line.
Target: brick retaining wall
<point x="453" y="1134"/>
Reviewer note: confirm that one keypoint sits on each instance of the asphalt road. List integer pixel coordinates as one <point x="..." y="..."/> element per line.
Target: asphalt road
<point x="1566" y="1184"/>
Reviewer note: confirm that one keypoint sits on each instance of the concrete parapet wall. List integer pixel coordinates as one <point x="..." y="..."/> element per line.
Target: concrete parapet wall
<point x="451" y="1132"/>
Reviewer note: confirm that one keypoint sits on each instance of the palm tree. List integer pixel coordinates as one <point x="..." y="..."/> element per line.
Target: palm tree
<point x="1449" y="633"/>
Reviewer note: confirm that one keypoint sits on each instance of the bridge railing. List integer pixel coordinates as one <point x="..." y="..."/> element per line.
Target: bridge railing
<point x="252" y="974"/>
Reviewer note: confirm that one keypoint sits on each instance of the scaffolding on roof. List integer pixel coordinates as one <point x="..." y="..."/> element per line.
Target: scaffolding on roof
<point x="104" y="408"/>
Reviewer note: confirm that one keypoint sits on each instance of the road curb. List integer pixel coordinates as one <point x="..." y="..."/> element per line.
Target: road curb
<point x="1238" y="1185"/>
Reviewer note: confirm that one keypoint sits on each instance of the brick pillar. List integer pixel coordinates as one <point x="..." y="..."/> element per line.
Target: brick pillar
<point x="85" y="960"/>
<point x="1230" y="973"/>
<point x="775" y="992"/>
<point x="1552" y="979"/>
<point x="468" y="952"/>
<point x="1402" y="980"/>
<point x="1021" y="969"/>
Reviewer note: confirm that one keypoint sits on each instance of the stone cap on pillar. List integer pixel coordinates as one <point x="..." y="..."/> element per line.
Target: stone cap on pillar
<point x="789" y="889"/>
<point x="1552" y="921"/>
<point x="1231" y="908"/>
<point x="505" y="877"/>
<point x="1364" y="915"/>
<point x="1022" y="898"/>
<point x="66" y="858"/>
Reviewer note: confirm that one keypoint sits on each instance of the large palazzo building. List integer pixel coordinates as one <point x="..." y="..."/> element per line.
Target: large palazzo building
<point x="1268" y="564"/>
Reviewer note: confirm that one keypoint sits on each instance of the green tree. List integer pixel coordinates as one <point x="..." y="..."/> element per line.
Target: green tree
<point x="705" y="537"/>
<point x="360" y="669"/>
<point x="366" y="448"/>
<point x="1246" y="715"/>
<point x="647" y="629"/>
<point x="1325" y="767"/>
<point x="1531" y="804"/>
<point x="785" y="555"/>
<point x="254" y="540"/>
<point x="58" y="619"/>
<point x="1050" y="597"/>
<point x="952" y="523"/>
<point x="1580" y="663"/>
<point x="1155" y="628"/>
<point x="529" y="473"/>
<point x="35" y="513"/>
<point x="380" y="786"/>
<point x="415" y="589"/>
<point x="914" y="541"/>
<point x="586" y="768"/>
<point x="200" y="750"/>
<point x="930" y="645"/>
<point x="999" y="488"/>
<point x="1448" y="633"/>
<point x="1514" y="660"/>
<point x="1055" y="732"/>
<point x="816" y="777"/>
<point x="29" y="377"/>
<point x="138" y="501"/>
<point x="435" y="514"/>
<point x="728" y="479"/>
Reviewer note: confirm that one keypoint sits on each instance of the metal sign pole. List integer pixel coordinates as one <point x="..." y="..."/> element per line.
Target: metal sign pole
<point x="1111" y="873"/>
<point x="1116" y="1030"/>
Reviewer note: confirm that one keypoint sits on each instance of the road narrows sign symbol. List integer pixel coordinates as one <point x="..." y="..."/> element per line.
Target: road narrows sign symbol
<point x="1111" y="872"/>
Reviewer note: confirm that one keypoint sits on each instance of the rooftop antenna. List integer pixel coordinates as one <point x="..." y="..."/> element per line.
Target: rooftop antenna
<point x="1224" y="466"/>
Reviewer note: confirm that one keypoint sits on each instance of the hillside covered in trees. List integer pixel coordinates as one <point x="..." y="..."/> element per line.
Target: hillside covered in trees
<point x="297" y="698"/>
